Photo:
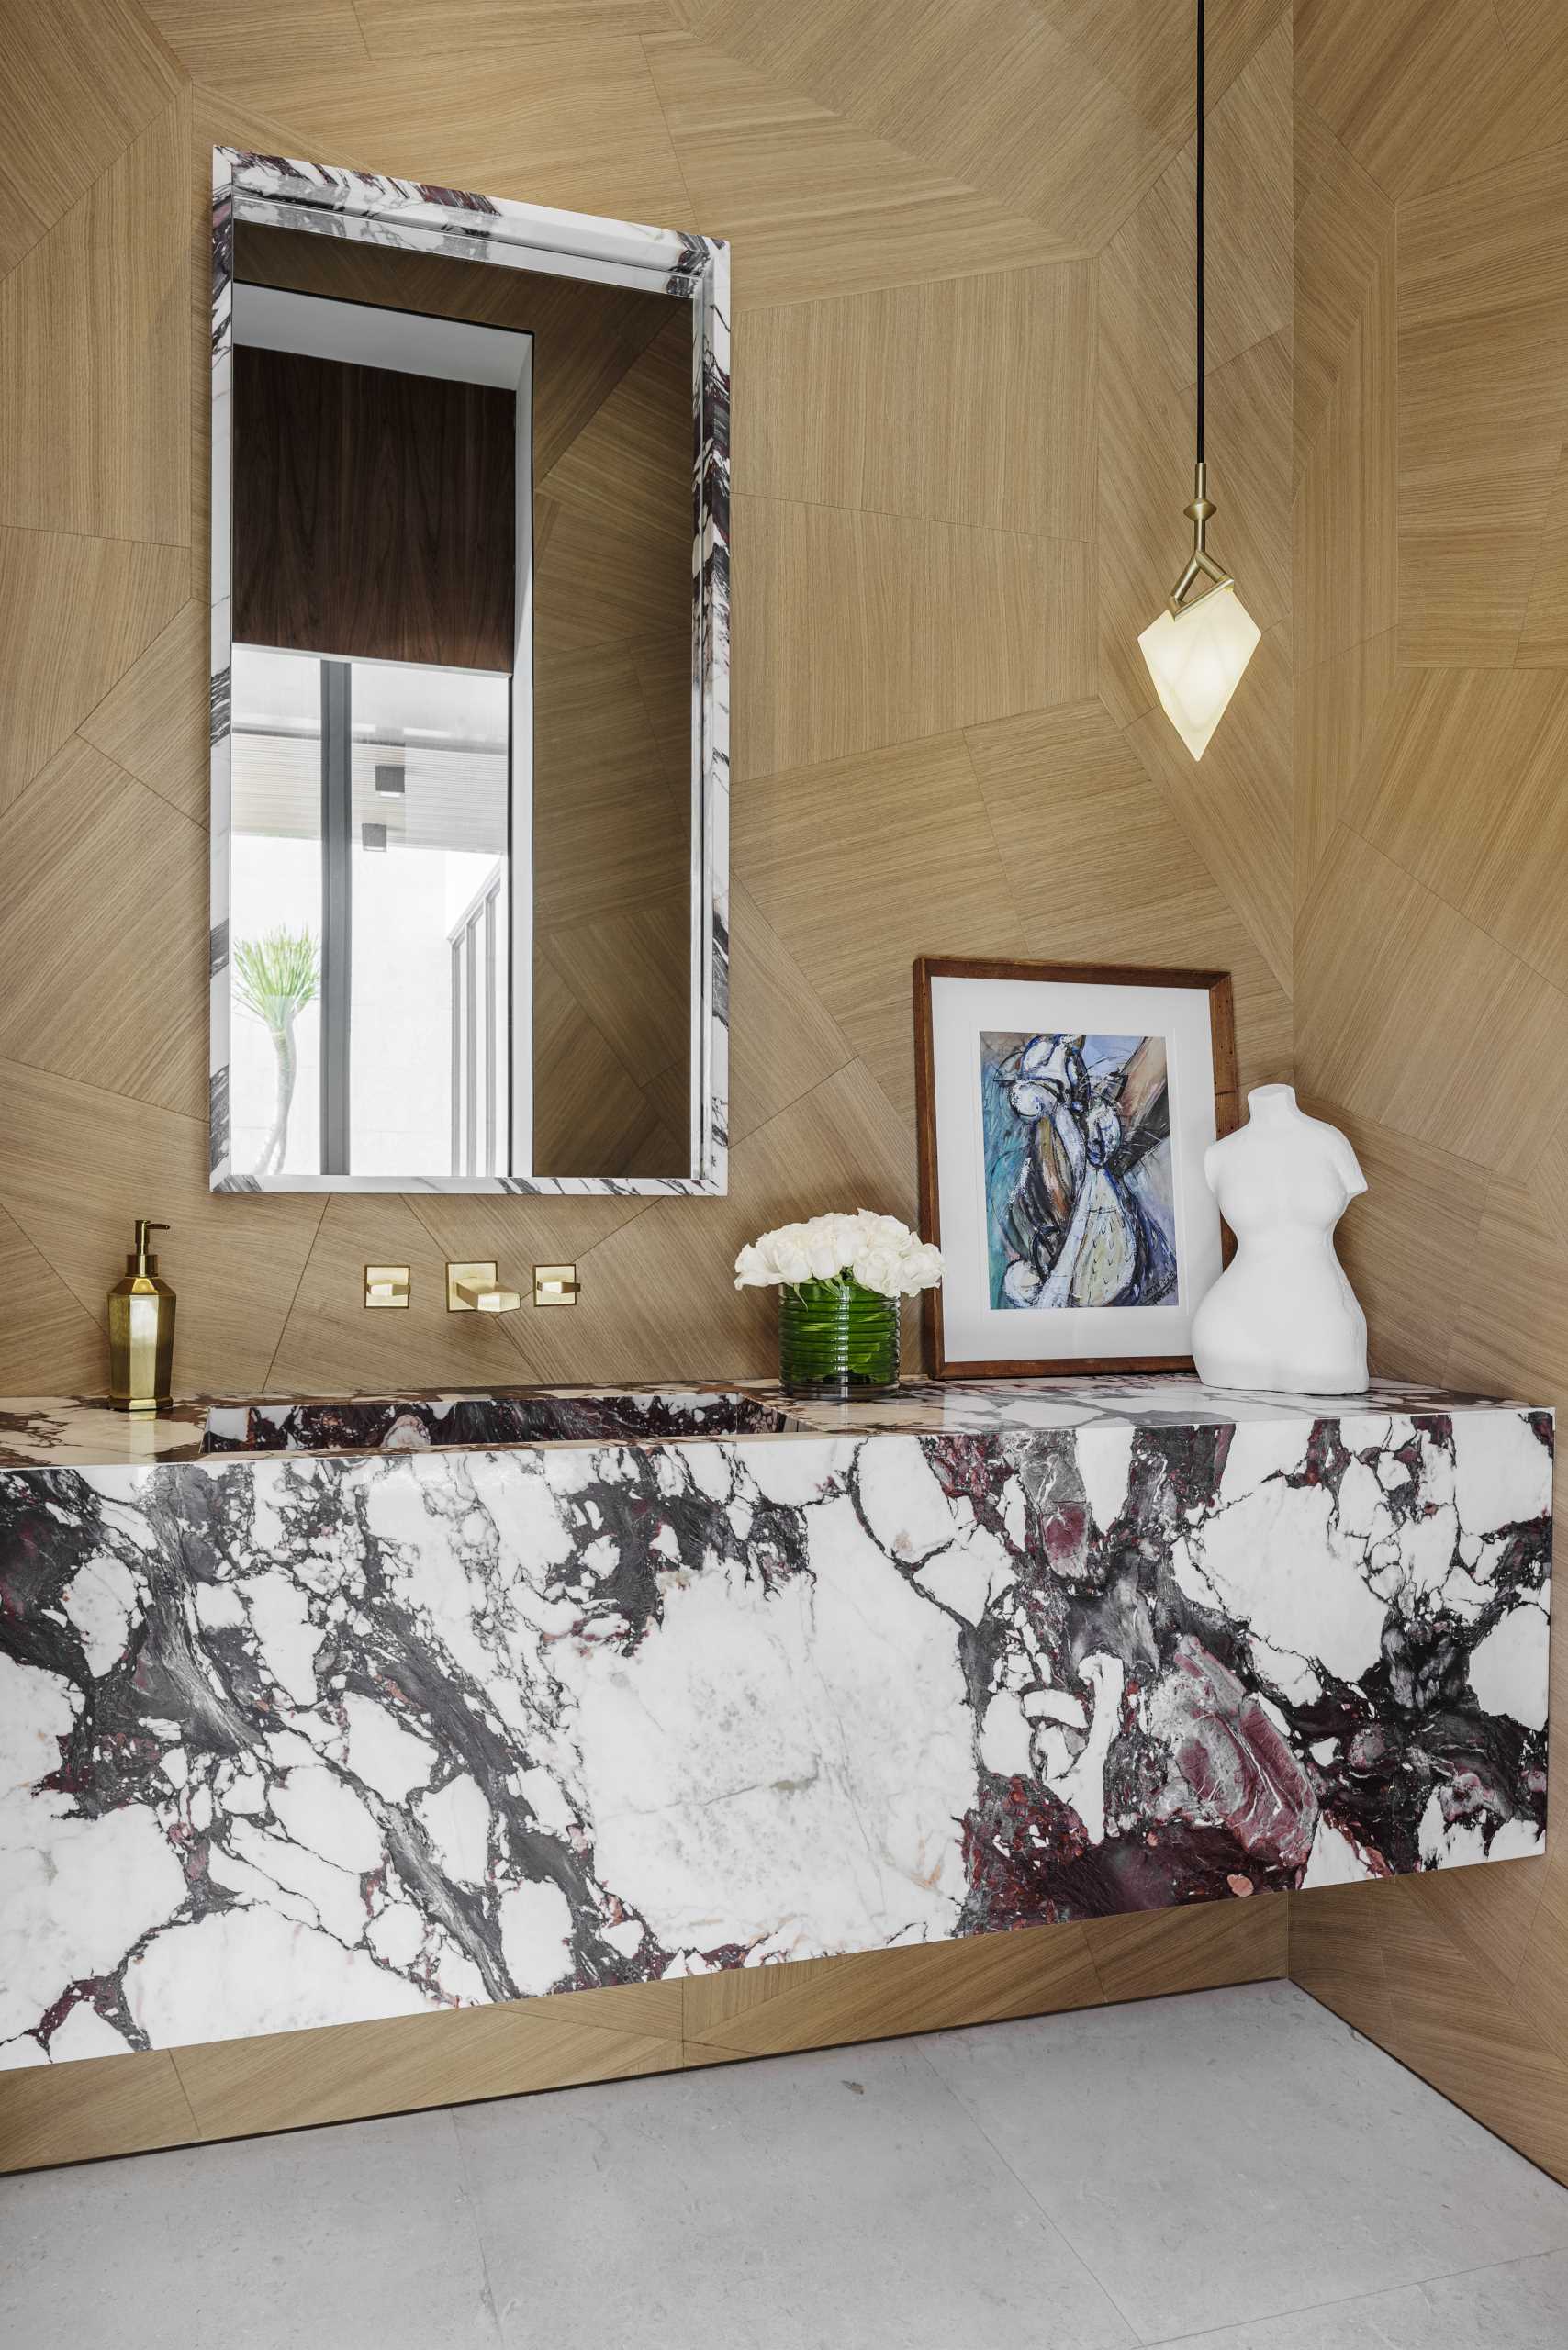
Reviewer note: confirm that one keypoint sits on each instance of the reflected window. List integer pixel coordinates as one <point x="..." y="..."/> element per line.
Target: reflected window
<point x="371" y="1029"/>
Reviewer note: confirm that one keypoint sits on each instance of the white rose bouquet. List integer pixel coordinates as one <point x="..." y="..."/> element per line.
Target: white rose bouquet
<point x="876" y="1251"/>
<point x="840" y="1279"/>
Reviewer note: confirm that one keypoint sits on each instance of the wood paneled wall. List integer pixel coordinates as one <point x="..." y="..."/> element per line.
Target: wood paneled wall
<point x="963" y="377"/>
<point x="961" y="235"/>
<point x="1431" y="851"/>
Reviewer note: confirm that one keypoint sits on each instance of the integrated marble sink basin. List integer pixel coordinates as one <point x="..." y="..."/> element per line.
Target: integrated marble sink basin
<point x="483" y="1423"/>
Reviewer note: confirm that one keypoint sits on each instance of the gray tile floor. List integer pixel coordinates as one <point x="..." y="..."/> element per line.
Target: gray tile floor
<point x="1236" y="2171"/>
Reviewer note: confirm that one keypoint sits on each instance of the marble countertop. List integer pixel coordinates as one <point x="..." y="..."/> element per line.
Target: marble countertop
<point x="84" y="1432"/>
<point x="455" y="1713"/>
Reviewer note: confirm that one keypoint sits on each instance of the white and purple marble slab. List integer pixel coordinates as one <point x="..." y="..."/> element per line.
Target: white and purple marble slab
<point x="429" y="1700"/>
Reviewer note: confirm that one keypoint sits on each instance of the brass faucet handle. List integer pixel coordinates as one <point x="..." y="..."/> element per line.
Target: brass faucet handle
<point x="386" y="1285"/>
<point x="473" y="1289"/>
<point x="555" y="1284"/>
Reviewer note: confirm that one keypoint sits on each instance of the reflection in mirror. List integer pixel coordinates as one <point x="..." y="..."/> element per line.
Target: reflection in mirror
<point x="369" y="822"/>
<point x="475" y="938"/>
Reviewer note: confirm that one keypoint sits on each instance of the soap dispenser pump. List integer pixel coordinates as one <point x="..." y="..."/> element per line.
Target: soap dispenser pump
<point x="141" y="1331"/>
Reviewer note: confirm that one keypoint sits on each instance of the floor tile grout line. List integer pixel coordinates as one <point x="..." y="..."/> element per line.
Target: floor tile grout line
<point x="471" y="2206"/>
<point x="1028" y="2191"/>
<point x="1415" y="2074"/>
<point x="1352" y="2300"/>
<point x="1305" y="2309"/>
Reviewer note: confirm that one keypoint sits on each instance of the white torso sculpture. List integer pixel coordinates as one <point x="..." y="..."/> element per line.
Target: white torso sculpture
<point x="1282" y="1314"/>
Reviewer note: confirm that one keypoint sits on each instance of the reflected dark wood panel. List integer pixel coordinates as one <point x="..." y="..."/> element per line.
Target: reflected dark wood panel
<point x="585" y="335"/>
<point x="373" y="512"/>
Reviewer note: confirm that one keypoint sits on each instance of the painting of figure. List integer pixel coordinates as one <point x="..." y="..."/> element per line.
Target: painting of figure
<point x="1080" y="1204"/>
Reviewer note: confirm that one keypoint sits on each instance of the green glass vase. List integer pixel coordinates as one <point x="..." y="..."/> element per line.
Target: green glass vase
<point x="837" y="1340"/>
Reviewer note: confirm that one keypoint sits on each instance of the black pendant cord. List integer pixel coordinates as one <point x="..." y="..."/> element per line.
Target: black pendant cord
<point x="1199" y="218"/>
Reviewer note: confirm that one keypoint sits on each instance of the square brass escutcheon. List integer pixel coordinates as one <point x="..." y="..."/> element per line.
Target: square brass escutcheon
<point x="556" y="1285"/>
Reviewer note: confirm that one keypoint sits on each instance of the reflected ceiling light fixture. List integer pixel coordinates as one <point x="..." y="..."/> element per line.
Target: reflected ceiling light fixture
<point x="1200" y="645"/>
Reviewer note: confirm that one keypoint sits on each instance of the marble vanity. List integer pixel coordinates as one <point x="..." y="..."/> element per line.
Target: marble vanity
<point x="313" y="1713"/>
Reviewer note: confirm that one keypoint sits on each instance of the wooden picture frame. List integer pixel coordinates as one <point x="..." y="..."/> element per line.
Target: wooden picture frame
<point x="1196" y="1254"/>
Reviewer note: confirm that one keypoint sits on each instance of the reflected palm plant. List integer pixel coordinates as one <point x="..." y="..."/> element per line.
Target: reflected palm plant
<point x="275" y="979"/>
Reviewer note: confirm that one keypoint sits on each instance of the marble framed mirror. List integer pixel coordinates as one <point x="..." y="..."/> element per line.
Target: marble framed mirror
<point x="469" y="693"/>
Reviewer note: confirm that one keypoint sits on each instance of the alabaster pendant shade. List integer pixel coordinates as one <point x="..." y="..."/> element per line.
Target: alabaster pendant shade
<point x="1196" y="657"/>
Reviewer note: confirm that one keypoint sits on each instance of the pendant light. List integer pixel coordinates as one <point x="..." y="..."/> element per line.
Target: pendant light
<point x="1197" y="650"/>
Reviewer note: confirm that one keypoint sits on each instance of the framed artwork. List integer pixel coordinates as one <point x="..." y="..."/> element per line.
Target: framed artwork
<point x="1064" y="1111"/>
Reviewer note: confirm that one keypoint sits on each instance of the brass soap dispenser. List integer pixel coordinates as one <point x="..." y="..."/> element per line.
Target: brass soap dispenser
<point x="141" y="1331"/>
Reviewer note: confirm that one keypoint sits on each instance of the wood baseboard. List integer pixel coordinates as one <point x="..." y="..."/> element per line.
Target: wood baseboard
<point x="52" y="2114"/>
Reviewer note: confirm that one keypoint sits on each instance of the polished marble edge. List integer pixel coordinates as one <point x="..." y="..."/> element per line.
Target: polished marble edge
<point x="45" y="1432"/>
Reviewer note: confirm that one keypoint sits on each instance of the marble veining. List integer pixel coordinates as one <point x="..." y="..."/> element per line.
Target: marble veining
<point x="295" y="1737"/>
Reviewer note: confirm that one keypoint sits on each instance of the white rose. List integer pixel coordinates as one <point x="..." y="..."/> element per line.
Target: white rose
<point x="753" y="1269"/>
<point x="878" y="1267"/>
<point x="883" y="1230"/>
<point x="819" y="1239"/>
<point x="791" y="1260"/>
<point x="919" y="1268"/>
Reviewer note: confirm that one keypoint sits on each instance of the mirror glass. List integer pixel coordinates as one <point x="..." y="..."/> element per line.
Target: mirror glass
<point x="471" y="914"/>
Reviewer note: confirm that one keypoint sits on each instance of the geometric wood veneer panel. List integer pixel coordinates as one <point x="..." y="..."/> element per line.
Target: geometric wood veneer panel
<point x="1147" y="1954"/>
<point x="659" y="1291"/>
<point x="857" y="631"/>
<point x="93" y="384"/>
<point x="103" y="908"/>
<point x="77" y="1164"/>
<point x="569" y="120"/>
<point x="49" y="1342"/>
<point x="1102" y="869"/>
<point x="1512" y="1331"/>
<point x="970" y="400"/>
<point x="793" y="1043"/>
<point x="290" y="2080"/>
<point x="152" y="720"/>
<point x="75" y="613"/>
<point x="1407" y="86"/>
<point x="1483" y="404"/>
<point x="1408" y="1014"/>
<point x="422" y="29"/>
<point x="244" y="38"/>
<point x="85" y="2111"/>
<point x="1453" y="2019"/>
<point x="1147" y="267"/>
<point x="1337" y="705"/>
<point x="1344" y="231"/>
<point x="1347" y="546"/>
<point x="1463" y="786"/>
<point x="1422" y="1208"/>
<point x="813" y="204"/>
<point x="985" y="91"/>
<point x="1538" y="1987"/>
<point x="859" y="865"/>
<point x="329" y="1343"/>
<point x="928" y="1986"/>
<point x="1544" y="640"/>
<point x="80" y="80"/>
<point x="1132" y="44"/>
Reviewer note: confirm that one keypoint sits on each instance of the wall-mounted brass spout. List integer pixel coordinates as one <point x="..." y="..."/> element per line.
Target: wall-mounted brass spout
<point x="472" y="1289"/>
